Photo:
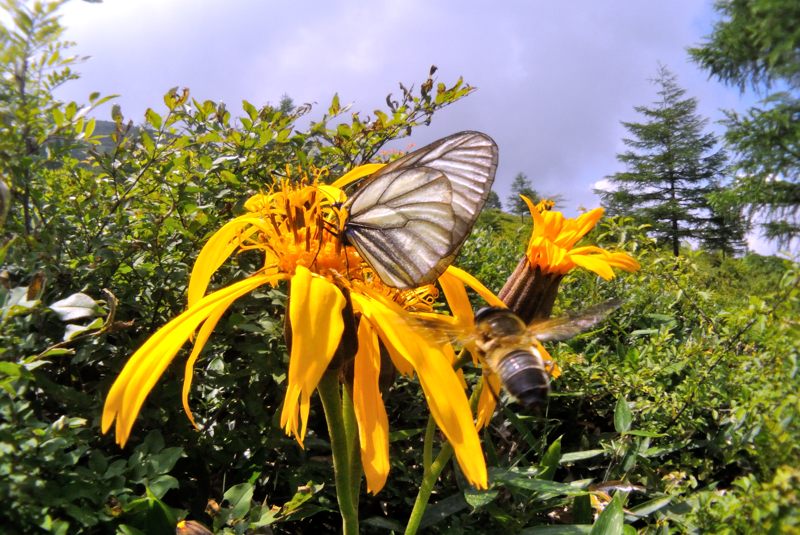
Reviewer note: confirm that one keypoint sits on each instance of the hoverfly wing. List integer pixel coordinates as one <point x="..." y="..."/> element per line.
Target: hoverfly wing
<point x="411" y="254"/>
<point x="564" y="328"/>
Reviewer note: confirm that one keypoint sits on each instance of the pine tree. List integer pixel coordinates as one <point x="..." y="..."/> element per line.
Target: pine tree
<point x="672" y="167"/>
<point x="757" y="44"/>
<point x="521" y="185"/>
<point x="493" y="201"/>
<point x="727" y="228"/>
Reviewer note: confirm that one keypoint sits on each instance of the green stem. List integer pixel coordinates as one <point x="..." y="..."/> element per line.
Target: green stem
<point x="354" y="447"/>
<point x="329" y="393"/>
<point x="432" y="470"/>
<point x="426" y="486"/>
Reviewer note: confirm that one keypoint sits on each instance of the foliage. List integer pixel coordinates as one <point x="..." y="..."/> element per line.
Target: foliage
<point x="672" y="167"/>
<point x="683" y="406"/>
<point x="756" y="43"/>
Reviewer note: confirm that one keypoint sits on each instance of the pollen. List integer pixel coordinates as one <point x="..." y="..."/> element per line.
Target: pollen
<point x="302" y="223"/>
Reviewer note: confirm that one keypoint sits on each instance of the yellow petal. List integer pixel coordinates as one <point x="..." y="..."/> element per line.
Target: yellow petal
<point x="488" y="399"/>
<point x="373" y="424"/>
<point x="446" y="399"/>
<point x="315" y="314"/>
<point x="623" y="261"/>
<point x="354" y="174"/>
<point x="475" y="284"/>
<point x="456" y="296"/>
<point x="202" y="338"/>
<point x="216" y="250"/>
<point x="595" y="263"/>
<point x="531" y="206"/>
<point x="332" y="193"/>
<point x="146" y="365"/>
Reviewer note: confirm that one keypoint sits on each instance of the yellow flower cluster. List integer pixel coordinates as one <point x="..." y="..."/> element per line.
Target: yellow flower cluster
<point x="297" y="226"/>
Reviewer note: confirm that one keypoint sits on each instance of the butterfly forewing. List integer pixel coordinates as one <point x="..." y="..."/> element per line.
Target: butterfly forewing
<point x="410" y="218"/>
<point x="405" y="234"/>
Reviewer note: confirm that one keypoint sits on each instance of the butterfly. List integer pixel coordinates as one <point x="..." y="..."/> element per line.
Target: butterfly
<point x="409" y="219"/>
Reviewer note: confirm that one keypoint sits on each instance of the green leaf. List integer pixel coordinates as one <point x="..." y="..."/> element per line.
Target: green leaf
<point x="10" y="369"/>
<point x="250" y="110"/>
<point x="550" y="460"/>
<point x="611" y="519"/>
<point x="573" y="456"/>
<point x="239" y="497"/>
<point x="76" y="306"/>
<point x="479" y="498"/>
<point x="442" y="509"/>
<point x="149" y="144"/>
<point x="622" y="416"/>
<point x="582" y="509"/>
<point x="160" y="485"/>
<point x="539" y="485"/>
<point x="651" y="506"/>
<point x="153" y="118"/>
<point x="125" y="529"/>
<point x="567" y="529"/>
<point x="165" y="460"/>
<point x="334" y="107"/>
<point x="72" y="330"/>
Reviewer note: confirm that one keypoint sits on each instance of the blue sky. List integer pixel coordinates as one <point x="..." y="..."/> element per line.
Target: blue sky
<point x="554" y="79"/>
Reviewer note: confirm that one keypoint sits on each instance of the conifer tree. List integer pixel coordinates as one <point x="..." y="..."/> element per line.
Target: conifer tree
<point x="757" y="44"/>
<point x="672" y="166"/>
<point x="493" y="201"/>
<point x="521" y="185"/>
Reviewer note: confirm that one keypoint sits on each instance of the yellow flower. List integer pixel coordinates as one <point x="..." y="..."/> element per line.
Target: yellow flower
<point x="296" y="227"/>
<point x="552" y="244"/>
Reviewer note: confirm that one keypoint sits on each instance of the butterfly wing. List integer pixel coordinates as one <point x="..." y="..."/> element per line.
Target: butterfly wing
<point x="405" y="229"/>
<point x="410" y="219"/>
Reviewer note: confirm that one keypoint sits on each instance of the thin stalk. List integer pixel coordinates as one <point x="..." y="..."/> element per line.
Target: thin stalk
<point x="432" y="470"/>
<point x="340" y="445"/>
<point x="354" y="449"/>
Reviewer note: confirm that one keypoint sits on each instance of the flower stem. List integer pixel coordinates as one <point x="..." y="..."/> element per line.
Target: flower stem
<point x="329" y="393"/>
<point x="354" y="448"/>
<point x="426" y="486"/>
<point x="432" y="470"/>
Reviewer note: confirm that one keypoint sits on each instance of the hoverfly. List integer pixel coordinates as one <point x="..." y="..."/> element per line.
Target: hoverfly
<point x="510" y="348"/>
<point x="409" y="219"/>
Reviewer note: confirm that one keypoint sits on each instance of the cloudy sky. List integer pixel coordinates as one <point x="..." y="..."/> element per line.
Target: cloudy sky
<point x="554" y="79"/>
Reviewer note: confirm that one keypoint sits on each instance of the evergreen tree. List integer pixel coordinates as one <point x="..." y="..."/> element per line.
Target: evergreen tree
<point x="521" y="185"/>
<point x="672" y="167"/>
<point x="727" y="227"/>
<point x="493" y="201"/>
<point x="757" y="44"/>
